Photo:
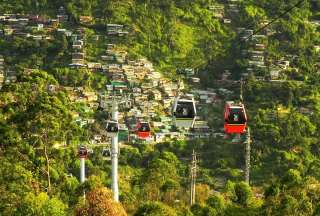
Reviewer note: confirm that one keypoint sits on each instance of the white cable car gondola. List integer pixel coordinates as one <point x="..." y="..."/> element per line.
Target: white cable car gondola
<point x="112" y="128"/>
<point x="184" y="112"/>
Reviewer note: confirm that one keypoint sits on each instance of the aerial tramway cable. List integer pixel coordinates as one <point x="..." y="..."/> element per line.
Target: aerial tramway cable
<point x="275" y="19"/>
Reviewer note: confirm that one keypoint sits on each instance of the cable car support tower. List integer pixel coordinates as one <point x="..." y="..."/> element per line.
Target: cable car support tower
<point x="114" y="155"/>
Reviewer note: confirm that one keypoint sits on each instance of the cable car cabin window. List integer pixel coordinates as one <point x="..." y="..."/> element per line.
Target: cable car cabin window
<point x="82" y="152"/>
<point x="106" y="153"/>
<point x="144" y="127"/>
<point x="185" y="110"/>
<point x="236" y="116"/>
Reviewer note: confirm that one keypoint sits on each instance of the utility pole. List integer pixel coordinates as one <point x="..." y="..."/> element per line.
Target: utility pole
<point x="241" y="90"/>
<point x="114" y="155"/>
<point x="193" y="178"/>
<point x="247" y="157"/>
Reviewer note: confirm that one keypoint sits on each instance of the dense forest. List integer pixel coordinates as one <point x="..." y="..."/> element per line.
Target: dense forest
<point x="39" y="178"/>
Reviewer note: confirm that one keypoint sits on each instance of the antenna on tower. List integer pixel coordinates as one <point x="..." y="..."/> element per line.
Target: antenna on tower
<point x="241" y="90"/>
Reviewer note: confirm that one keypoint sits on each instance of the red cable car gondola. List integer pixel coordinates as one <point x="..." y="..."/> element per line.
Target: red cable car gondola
<point x="143" y="130"/>
<point x="235" y="118"/>
<point x="82" y="152"/>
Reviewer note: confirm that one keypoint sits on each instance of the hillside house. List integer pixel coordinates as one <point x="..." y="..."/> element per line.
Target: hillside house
<point x="114" y="68"/>
<point x="154" y="75"/>
<point x="52" y="23"/>
<point x="110" y="52"/>
<point x="145" y="63"/>
<point x="115" y="29"/>
<point x="131" y="79"/>
<point x="95" y="66"/>
<point x="247" y="32"/>
<point x="1" y="78"/>
<point x="305" y="110"/>
<point x="39" y="27"/>
<point x="108" y="58"/>
<point x="259" y="46"/>
<point x="256" y="52"/>
<point x="224" y="91"/>
<point x="156" y="124"/>
<point x="161" y="136"/>
<point x="259" y="38"/>
<point x="315" y="22"/>
<point x="217" y="10"/>
<point x="195" y="80"/>
<point x="154" y="78"/>
<point x="119" y="85"/>
<point x="52" y="88"/>
<point x="146" y="86"/>
<point x="188" y="72"/>
<point x="136" y="95"/>
<point x="87" y="20"/>
<point x="36" y="37"/>
<point x="62" y="14"/>
<point x="140" y="98"/>
<point x="78" y="55"/>
<point x="8" y="30"/>
<point x="10" y="76"/>
<point x="240" y="30"/>
<point x="284" y="64"/>
<point x="166" y="120"/>
<point x="256" y="63"/>
<point x="128" y="70"/>
<point x="78" y="58"/>
<point x="140" y="72"/>
<point x="110" y="46"/>
<point x="167" y="103"/>
<point x="201" y="129"/>
<point x="225" y="75"/>
<point x="259" y="58"/>
<point x="136" y="90"/>
<point x="120" y="56"/>
<point x="77" y="65"/>
<point x="75" y="37"/>
<point x="156" y="94"/>
<point x="1" y="70"/>
<point x="118" y="76"/>
<point x="233" y="8"/>
<point x="77" y="44"/>
<point x="275" y="73"/>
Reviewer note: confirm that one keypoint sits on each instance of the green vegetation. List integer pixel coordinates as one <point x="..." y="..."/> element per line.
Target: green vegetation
<point x="39" y="176"/>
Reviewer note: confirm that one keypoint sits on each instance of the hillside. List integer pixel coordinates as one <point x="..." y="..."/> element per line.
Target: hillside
<point x="64" y="63"/>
